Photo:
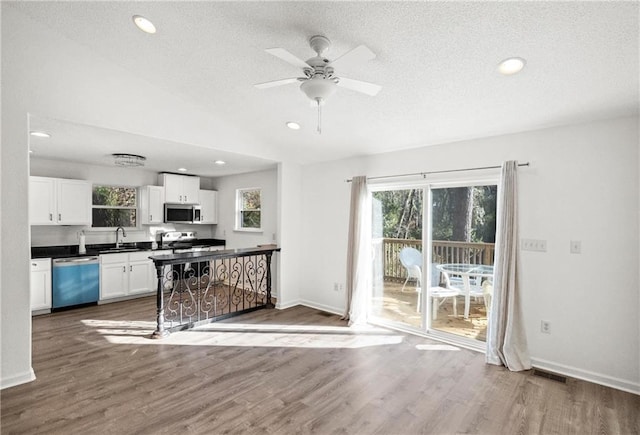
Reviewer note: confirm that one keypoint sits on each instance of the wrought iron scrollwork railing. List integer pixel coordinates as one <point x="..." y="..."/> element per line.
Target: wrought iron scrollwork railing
<point x="200" y="287"/>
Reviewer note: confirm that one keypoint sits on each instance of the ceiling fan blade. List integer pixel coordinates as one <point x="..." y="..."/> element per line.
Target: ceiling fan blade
<point x="275" y="83"/>
<point x="287" y="57"/>
<point x="360" y="86"/>
<point x="354" y="57"/>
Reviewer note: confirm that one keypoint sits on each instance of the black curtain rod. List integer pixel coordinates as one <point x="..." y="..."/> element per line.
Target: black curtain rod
<point x="424" y="174"/>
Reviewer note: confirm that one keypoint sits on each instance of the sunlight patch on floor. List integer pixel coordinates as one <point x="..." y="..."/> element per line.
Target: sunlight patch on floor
<point x="436" y="347"/>
<point x="248" y="334"/>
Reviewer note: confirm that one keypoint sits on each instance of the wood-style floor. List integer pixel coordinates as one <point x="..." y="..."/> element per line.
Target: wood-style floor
<point x="284" y="372"/>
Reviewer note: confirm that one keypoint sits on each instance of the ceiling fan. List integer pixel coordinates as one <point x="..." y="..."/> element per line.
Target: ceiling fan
<point x="320" y="81"/>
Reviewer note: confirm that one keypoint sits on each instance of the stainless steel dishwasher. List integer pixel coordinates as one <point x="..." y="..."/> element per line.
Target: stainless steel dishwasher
<point x="76" y="281"/>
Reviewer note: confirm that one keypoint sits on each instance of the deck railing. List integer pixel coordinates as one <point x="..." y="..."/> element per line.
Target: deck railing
<point x="443" y="252"/>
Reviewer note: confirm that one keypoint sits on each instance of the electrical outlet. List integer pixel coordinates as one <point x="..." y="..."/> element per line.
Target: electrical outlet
<point x="545" y="327"/>
<point x="575" y="247"/>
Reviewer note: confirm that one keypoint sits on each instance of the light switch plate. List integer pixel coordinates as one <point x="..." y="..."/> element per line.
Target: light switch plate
<point x="533" y="245"/>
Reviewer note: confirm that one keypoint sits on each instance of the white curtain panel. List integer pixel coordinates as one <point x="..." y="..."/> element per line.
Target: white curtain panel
<point x="506" y="338"/>
<point x="358" y="250"/>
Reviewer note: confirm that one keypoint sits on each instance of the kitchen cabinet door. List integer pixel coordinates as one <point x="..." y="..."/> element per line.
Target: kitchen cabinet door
<point x="172" y="188"/>
<point x="209" y="206"/>
<point x="113" y="280"/>
<point x="139" y="273"/>
<point x="42" y="201"/>
<point x="40" y="284"/>
<point x="180" y="189"/>
<point x="191" y="190"/>
<point x="151" y="205"/>
<point x="74" y="202"/>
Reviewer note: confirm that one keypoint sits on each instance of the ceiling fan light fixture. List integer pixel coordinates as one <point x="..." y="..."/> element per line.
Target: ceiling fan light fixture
<point x="512" y="65"/>
<point x="128" y="160"/>
<point x="318" y="89"/>
<point x="220" y="162"/>
<point x="144" y="24"/>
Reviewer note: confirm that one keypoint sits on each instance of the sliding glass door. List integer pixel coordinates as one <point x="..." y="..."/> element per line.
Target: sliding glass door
<point x="397" y="222"/>
<point x="462" y="244"/>
<point x="446" y="288"/>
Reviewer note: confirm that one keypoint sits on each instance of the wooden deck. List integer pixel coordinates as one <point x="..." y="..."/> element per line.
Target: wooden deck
<point x="399" y="306"/>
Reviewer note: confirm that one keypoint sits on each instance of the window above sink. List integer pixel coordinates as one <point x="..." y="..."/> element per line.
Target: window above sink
<point x="114" y="206"/>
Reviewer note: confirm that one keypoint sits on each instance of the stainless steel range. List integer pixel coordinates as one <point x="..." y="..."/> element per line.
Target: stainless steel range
<point x="179" y="241"/>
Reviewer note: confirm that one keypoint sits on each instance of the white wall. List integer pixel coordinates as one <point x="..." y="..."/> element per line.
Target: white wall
<point x="226" y="187"/>
<point x="582" y="185"/>
<point x="290" y="276"/>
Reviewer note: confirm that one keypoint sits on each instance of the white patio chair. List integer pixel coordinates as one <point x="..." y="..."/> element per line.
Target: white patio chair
<point x="411" y="259"/>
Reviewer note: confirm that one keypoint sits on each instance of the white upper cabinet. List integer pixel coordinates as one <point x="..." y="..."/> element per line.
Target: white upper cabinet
<point x="209" y="206"/>
<point x="42" y="201"/>
<point x="180" y="189"/>
<point x="57" y="201"/>
<point x="151" y="205"/>
<point x="74" y="202"/>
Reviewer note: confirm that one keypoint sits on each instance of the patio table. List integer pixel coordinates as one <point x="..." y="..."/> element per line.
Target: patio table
<point x="468" y="272"/>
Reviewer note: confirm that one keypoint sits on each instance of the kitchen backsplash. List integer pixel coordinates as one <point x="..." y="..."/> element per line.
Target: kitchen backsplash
<point x="68" y="235"/>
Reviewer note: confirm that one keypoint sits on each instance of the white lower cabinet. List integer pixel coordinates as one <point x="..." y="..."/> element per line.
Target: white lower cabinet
<point x="126" y="274"/>
<point x="40" y="284"/>
<point x="114" y="278"/>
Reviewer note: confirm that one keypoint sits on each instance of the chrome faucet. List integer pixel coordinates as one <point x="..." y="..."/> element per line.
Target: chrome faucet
<point x="124" y="234"/>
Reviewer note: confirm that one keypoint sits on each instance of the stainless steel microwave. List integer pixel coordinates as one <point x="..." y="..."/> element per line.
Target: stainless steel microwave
<point x="182" y="213"/>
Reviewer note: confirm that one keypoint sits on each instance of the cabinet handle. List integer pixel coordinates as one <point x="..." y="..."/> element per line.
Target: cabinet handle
<point x="124" y="269"/>
<point x="59" y="216"/>
<point x="34" y="264"/>
<point x="150" y="217"/>
<point x="180" y="198"/>
<point x="185" y="198"/>
<point x="130" y="268"/>
<point x="50" y="216"/>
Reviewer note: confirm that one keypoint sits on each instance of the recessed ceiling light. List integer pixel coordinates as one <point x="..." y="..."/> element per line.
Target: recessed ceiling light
<point x="220" y="162"/>
<point x="293" y="125"/>
<point x="144" y="24"/>
<point x="182" y="169"/>
<point x="40" y="134"/>
<point x="511" y="65"/>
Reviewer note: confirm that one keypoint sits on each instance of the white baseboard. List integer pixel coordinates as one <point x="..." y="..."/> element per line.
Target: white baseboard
<point x="22" y="378"/>
<point x="283" y="305"/>
<point x="585" y="375"/>
<point x="322" y="307"/>
<point x="574" y="372"/>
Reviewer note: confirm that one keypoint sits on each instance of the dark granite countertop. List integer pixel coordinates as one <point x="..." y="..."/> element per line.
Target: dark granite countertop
<point x="69" y="251"/>
<point x="161" y="260"/>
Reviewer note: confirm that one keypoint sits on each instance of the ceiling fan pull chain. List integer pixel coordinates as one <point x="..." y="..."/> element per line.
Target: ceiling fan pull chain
<point x="319" y="117"/>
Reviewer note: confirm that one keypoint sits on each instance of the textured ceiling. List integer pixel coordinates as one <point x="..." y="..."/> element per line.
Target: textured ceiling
<point x="436" y="63"/>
